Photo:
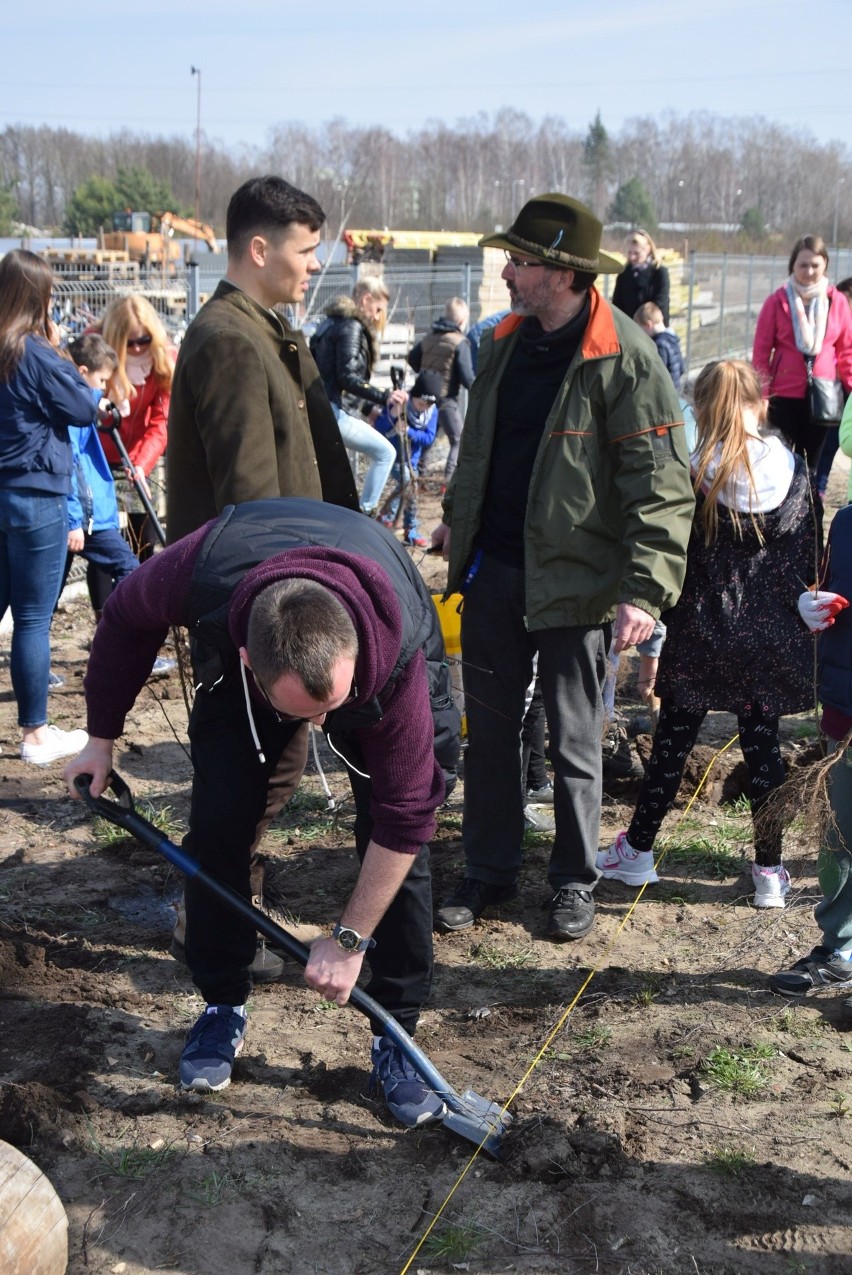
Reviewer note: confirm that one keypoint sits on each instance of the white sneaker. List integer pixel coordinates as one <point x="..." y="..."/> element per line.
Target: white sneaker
<point x="770" y="886"/>
<point x="622" y="863"/>
<point x="162" y="667"/>
<point x="59" y="743"/>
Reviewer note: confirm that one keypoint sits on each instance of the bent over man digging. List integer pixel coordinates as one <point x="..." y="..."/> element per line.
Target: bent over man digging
<point x="286" y="627"/>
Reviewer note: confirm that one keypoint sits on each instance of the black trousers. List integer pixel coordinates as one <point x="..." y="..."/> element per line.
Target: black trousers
<point x="230" y="802"/>
<point x="674" y="739"/>
<point x="497" y="657"/>
<point x="792" y="418"/>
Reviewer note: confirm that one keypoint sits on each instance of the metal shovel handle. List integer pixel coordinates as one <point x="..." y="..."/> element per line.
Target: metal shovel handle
<point x="123" y="812"/>
<point x="106" y="427"/>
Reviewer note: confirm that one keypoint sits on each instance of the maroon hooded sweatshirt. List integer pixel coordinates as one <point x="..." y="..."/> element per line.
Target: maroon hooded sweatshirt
<point x="397" y="750"/>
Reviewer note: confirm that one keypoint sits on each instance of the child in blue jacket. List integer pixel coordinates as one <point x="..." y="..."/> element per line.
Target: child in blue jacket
<point x="421" y="414"/>
<point x="93" y="526"/>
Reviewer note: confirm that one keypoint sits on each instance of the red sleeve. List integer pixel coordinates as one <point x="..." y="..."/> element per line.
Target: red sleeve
<point x="150" y="434"/>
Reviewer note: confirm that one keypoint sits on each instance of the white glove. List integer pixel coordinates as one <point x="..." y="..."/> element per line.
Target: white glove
<point x="819" y="607"/>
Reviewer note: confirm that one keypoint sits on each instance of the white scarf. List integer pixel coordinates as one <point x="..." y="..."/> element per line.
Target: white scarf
<point x="808" y="324"/>
<point x="138" y="368"/>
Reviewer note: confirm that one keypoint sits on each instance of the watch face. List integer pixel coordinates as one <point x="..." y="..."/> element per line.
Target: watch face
<point x="348" y="939"/>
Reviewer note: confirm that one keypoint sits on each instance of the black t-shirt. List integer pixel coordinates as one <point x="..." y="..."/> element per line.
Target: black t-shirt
<point x="526" y="394"/>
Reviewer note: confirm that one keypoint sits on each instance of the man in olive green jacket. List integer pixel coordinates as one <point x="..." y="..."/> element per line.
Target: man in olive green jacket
<point x="570" y="510"/>
<point x="249" y="418"/>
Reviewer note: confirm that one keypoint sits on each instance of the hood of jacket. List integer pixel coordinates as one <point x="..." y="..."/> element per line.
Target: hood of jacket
<point x="362" y="586"/>
<point x="445" y="325"/>
<point x="345" y="308"/>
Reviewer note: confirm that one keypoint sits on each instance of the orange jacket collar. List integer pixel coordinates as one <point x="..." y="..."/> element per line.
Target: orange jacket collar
<point x="599" y="339"/>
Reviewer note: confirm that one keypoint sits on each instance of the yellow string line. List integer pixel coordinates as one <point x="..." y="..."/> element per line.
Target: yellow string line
<point x="564" y="1018"/>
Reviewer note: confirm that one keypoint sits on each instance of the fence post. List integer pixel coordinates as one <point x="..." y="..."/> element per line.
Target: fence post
<point x="722" y="303"/>
<point x="749" y="326"/>
<point x="689" y="307"/>
<point x="193" y="290"/>
<point x="466" y="283"/>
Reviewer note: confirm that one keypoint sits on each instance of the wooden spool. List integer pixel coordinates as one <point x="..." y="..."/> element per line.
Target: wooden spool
<point x="33" y="1224"/>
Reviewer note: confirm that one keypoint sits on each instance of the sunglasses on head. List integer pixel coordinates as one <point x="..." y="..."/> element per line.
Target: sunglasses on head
<point x="140" y="341"/>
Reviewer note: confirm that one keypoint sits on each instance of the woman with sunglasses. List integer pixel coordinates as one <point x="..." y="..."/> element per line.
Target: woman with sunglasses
<point x="41" y="395"/>
<point x="140" y="387"/>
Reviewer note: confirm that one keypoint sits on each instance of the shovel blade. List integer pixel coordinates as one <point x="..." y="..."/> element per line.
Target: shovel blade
<point x="478" y="1120"/>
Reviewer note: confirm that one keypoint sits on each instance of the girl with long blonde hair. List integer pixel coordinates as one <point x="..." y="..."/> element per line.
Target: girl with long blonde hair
<point x="734" y="641"/>
<point x="141" y="389"/>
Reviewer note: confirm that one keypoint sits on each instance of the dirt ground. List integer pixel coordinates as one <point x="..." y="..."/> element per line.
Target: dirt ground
<point x="681" y="1118"/>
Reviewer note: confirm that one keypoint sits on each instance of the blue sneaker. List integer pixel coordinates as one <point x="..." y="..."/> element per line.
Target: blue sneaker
<point x="211" y="1047"/>
<point x="409" y="1098"/>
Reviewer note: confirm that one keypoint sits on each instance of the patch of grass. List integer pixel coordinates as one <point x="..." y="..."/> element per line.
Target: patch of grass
<point x="132" y="1162"/>
<point x="163" y="817"/>
<point x="712" y="849"/>
<point x="452" y="1243"/>
<point x="323" y="1006"/>
<point x="532" y="838"/>
<point x="593" y="1038"/>
<point x="499" y="958"/>
<point x="739" y="1071"/>
<point x="840" y="1105"/>
<point x="729" y="1162"/>
<point x="213" y="1189"/>
<point x="648" y="992"/>
<point x="795" y="1024"/>
<point x="304" y="802"/>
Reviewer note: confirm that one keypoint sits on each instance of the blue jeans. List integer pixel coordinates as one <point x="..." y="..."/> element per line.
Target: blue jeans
<point x="33" y="538"/>
<point x="107" y="553"/>
<point x="359" y="436"/>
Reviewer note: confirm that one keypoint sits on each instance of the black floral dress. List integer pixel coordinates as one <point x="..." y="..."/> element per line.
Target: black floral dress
<point x="735" y="637"/>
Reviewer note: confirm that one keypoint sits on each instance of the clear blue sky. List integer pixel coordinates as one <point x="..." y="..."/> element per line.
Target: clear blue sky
<point x="98" y="67"/>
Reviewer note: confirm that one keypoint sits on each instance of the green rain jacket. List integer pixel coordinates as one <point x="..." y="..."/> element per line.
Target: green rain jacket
<point x="610" y="501"/>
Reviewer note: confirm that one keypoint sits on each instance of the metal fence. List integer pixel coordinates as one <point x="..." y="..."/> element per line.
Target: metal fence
<point x="716" y="298"/>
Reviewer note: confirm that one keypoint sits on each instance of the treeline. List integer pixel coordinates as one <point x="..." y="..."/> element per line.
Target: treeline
<point x="695" y="168"/>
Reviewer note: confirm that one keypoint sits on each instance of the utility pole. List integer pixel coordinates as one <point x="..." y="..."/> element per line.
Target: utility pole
<point x="197" y="71"/>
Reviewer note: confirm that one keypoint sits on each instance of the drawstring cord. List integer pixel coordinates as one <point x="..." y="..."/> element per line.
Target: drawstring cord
<point x="260" y="754"/>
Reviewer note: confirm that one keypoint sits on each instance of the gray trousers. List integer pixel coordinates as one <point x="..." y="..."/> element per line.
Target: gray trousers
<point x="497" y="663"/>
<point x="833" y="914"/>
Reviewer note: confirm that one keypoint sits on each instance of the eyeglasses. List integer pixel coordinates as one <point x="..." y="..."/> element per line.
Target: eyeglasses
<point x="517" y="264"/>
<point x="139" y="342"/>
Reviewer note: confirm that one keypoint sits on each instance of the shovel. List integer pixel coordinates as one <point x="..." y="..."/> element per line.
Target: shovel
<point x="110" y="426"/>
<point x="468" y="1114"/>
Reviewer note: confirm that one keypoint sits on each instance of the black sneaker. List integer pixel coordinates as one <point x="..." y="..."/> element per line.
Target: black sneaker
<point x="468" y="901"/>
<point x="572" y="914"/>
<point x="820" y="968"/>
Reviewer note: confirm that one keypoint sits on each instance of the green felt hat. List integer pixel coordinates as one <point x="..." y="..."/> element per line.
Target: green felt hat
<point x="560" y="231"/>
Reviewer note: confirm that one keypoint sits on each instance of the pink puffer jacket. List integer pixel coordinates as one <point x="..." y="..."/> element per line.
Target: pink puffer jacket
<point x="782" y="365"/>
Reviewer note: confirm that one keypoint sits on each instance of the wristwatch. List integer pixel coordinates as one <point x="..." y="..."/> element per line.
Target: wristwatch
<point x="350" y="940"/>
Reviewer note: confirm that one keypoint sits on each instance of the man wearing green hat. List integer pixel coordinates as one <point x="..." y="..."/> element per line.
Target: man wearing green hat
<point x="565" y="527"/>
